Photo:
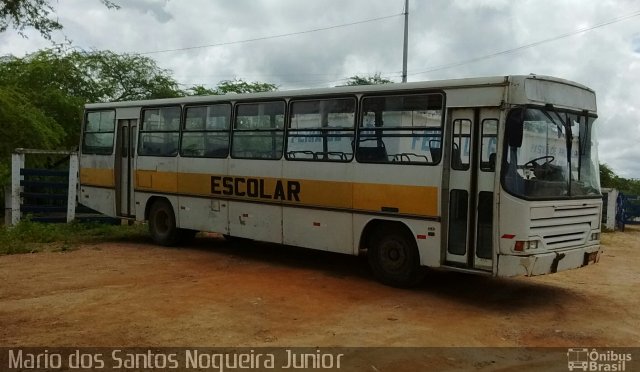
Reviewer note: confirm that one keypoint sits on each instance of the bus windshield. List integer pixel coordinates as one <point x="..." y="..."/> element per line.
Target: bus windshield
<point x="550" y="154"/>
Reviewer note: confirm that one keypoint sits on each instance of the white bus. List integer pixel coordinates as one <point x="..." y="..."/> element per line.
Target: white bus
<point x="494" y="175"/>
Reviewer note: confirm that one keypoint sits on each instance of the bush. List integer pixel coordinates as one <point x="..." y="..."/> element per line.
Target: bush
<point x="30" y="237"/>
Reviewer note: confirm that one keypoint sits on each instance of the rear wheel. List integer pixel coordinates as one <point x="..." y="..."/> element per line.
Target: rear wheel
<point x="162" y="224"/>
<point x="394" y="258"/>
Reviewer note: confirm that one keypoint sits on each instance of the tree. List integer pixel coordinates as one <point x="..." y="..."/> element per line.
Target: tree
<point x="23" y="125"/>
<point x="58" y="83"/>
<point x="367" y="80"/>
<point x="200" y="90"/>
<point x="123" y="77"/>
<point x="608" y="178"/>
<point x="233" y="86"/>
<point x="241" y="86"/>
<point x="20" y="14"/>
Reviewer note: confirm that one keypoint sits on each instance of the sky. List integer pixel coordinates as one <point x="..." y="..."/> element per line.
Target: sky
<point x="447" y="39"/>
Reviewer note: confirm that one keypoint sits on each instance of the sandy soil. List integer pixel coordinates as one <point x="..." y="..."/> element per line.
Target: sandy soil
<point x="217" y="293"/>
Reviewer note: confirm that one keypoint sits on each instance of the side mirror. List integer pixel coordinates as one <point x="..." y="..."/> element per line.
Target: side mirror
<point x="515" y="127"/>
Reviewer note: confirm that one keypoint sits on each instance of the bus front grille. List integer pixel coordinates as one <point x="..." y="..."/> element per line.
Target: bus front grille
<point x="563" y="227"/>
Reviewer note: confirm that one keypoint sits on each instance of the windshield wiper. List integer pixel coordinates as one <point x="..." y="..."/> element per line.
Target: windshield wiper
<point x="568" y="139"/>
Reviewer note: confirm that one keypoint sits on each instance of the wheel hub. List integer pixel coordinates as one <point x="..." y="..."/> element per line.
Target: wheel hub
<point x="393" y="256"/>
<point x="162" y="222"/>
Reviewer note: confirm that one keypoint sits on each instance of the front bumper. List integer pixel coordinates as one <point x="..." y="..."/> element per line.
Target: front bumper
<point x="547" y="263"/>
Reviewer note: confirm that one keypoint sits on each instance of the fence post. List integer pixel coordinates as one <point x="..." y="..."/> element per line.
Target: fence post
<point x="17" y="163"/>
<point x="73" y="186"/>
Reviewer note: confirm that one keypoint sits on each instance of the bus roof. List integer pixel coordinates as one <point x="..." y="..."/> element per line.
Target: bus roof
<point x="435" y="84"/>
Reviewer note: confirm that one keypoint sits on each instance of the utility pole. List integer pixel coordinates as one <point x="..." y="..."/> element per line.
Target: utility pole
<point x="406" y="41"/>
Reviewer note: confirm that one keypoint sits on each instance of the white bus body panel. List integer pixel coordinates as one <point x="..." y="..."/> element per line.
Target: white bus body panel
<point x="254" y="220"/>
<point x="198" y="213"/>
<point x="543" y="263"/>
<point x="475" y="97"/>
<point x="318" y="229"/>
<point x="327" y="230"/>
<point x="101" y="199"/>
<point x="563" y="229"/>
<point x="538" y="89"/>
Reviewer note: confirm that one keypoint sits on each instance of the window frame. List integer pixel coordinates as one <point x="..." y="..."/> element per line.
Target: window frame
<point x="184" y="130"/>
<point x="464" y="166"/>
<point x="504" y="164"/>
<point x="142" y="131"/>
<point x="353" y="129"/>
<point x="361" y="116"/>
<point x="495" y="165"/>
<point x="85" y="132"/>
<point x="234" y="130"/>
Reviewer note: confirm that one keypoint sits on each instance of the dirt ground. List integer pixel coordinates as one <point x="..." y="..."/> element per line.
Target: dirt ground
<point x="218" y="293"/>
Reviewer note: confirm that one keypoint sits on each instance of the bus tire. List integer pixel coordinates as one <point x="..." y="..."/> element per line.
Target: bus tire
<point x="394" y="258"/>
<point x="162" y="224"/>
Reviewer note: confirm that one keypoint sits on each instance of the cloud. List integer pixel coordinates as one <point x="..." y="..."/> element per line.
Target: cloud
<point x="441" y="33"/>
<point x="636" y="43"/>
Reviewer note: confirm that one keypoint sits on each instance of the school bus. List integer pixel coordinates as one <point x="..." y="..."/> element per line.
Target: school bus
<point x="491" y="175"/>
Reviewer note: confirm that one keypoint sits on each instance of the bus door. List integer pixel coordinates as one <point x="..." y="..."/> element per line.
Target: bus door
<point x="127" y="129"/>
<point x="468" y="199"/>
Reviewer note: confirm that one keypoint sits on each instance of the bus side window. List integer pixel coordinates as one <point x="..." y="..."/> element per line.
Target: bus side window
<point x="489" y="135"/>
<point x="401" y="128"/>
<point x="321" y="130"/>
<point x="206" y="131"/>
<point x="258" y="131"/>
<point x="159" y="131"/>
<point x="461" y="144"/>
<point x="99" y="129"/>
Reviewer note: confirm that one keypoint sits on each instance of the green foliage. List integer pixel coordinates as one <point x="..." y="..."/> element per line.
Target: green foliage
<point x="199" y="90"/>
<point x="607" y="176"/>
<point x="42" y="95"/>
<point x="122" y="77"/>
<point x="367" y="80"/>
<point x="39" y="14"/>
<point x="233" y="86"/>
<point x="95" y="76"/>
<point x="241" y="86"/>
<point x="609" y="179"/>
<point x="28" y="236"/>
<point x="24" y="125"/>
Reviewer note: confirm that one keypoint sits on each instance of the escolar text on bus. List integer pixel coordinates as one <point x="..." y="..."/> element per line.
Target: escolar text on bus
<point x="255" y="188"/>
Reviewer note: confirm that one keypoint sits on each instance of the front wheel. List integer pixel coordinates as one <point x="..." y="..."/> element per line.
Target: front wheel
<point x="394" y="258"/>
<point x="162" y="224"/>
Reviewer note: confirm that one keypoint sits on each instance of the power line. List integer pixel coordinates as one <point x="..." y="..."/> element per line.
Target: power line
<point x="273" y="36"/>
<point x="527" y="46"/>
<point x="453" y="64"/>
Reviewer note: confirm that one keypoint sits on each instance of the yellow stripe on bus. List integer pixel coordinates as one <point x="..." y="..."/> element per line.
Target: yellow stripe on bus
<point x="157" y="181"/>
<point x="402" y="199"/>
<point x="416" y="200"/>
<point x="97" y="177"/>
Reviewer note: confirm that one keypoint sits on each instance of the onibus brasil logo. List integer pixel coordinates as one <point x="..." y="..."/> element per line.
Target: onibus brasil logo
<point x="594" y="360"/>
